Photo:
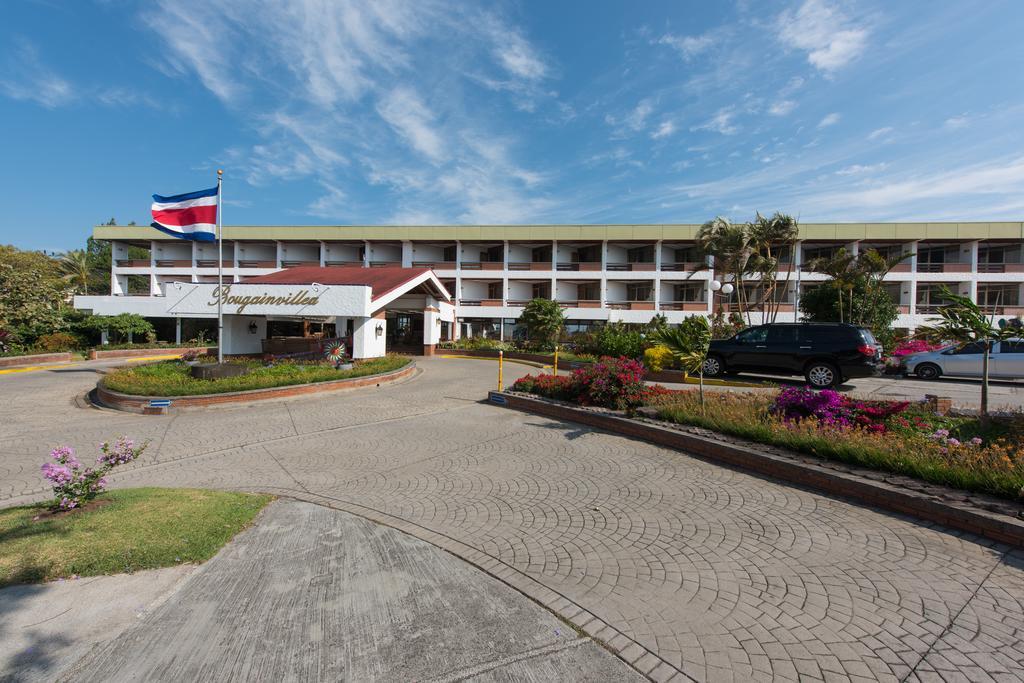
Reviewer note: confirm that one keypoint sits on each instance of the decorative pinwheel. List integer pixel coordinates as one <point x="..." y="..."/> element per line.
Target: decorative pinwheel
<point x="335" y="352"/>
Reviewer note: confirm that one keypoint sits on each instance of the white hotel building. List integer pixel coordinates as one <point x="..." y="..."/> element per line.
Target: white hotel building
<point x="599" y="273"/>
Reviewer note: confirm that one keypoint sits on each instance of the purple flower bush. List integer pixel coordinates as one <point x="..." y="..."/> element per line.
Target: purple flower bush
<point x="74" y="485"/>
<point x="832" y="409"/>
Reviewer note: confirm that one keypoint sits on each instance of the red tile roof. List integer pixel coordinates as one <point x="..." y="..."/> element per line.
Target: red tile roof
<point x="379" y="280"/>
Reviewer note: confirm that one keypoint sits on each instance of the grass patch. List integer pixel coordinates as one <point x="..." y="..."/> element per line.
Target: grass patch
<point x="131" y="529"/>
<point x="172" y="378"/>
<point x="997" y="467"/>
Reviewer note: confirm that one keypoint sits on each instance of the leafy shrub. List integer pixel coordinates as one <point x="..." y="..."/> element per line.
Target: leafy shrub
<point x="561" y="387"/>
<point x="616" y="340"/>
<point x="657" y="358"/>
<point x="611" y="383"/>
<point x="74" y="485"/>
<point x="58" y="341"/>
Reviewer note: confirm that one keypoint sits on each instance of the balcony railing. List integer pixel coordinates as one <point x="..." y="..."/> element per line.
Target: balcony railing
<point x="384" y="264"/>
<point x="631" y="305"/>
<point x="437" y="265"/>
<point x="518" y="302"/>
<point x="929" y="309"/>
<point x="484" y="302"/>
<point x="296" y="263"/>
<point x="529" y="265"/>
<point x="683" y="306"/>
<point x="252" y="263"/>
<point x="580" y="303"/>
<point x="1013" y="309"/>
<point x="580" y="265"/>
<point x="903" y="309"/>
<point x="688" y="266"/>
<point x="1001" y="267"/>
<point x="943" y="267"/>
<point x="482" y="265"/>
<point x="646" y="265"/>
<point x="177" y="263"/>
<point x="132" y="263"/>
<point x="339" y="262"/>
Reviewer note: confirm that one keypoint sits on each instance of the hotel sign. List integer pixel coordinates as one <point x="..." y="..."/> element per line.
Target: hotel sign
<point x="301" y="298"/>
<point x="239" y="298"/>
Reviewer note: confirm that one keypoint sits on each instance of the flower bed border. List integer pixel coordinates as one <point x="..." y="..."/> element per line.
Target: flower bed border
<point x="100" y="354"/>
<point x="33" y="359"/>
<point x="134" y="403"/>
<point x="958" y="513"/>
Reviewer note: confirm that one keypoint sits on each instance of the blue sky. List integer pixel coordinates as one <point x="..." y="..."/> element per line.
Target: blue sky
<point x="338" y="112"/>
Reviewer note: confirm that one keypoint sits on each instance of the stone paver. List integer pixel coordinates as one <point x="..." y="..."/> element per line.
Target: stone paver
<point x="708" y="571"/>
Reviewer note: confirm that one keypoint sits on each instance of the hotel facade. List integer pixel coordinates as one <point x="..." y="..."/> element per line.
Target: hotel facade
<point x="599" y="273"/>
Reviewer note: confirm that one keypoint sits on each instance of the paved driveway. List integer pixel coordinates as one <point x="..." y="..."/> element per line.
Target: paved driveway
<point x="724" y="576"/>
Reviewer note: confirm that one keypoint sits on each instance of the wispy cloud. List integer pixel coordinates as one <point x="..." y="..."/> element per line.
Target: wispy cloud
<point x="880" y="132"/>
<point x="829" y="120"/>
<point x="956" y="122"/>
<point x="722" y="122"/>
<point x="859" y="169"/>
<point x="829" y="38"/>
<point x="665" y="129"/>
<point x="687" y="46"/>
<point x="782" y="107"/>
<point x="403" y="109"/>
<point x="27" y="78"/>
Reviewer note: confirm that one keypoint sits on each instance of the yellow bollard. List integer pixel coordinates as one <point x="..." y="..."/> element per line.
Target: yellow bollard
<point x="501" y="363"/>
<point x="556" y="361"/>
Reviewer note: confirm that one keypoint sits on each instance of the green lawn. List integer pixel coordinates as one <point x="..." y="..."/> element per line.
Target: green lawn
<point x="141" y="528"/>
<point x="172" y="378"/>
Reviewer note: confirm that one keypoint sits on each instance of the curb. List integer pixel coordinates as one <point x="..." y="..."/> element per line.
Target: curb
<point x="35" y="359"/>
<point x="133" y="403"/>
<point x="100" y="354"/>
<point x="878" y="494"/>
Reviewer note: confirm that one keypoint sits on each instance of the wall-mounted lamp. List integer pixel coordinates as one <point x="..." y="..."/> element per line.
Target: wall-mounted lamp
<point x="253" y="327"/>
<point x="379" y="330"/>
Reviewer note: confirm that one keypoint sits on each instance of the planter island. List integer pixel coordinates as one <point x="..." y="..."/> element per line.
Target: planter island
<point x="155" y="388"/>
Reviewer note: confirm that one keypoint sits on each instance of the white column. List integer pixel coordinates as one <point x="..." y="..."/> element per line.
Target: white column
<point x="277" y="256"/>
<point x="974" y="248"/>
<point x="366" y="253"/>
<point x="177" y="330"/>
<point x="431" y="325"/>
<point x="406" y="254"/>
<point x="323" y="253"/>
<point x="913" y="277"/>
<point x="367" y="342"/>
<point x="504" y="255"/>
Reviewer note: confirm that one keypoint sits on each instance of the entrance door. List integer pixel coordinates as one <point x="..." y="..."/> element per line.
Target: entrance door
<point x="404" y="332"/>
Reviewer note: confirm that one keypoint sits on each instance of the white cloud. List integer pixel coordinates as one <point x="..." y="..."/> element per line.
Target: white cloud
<point x="664" y="130"/>
<point x="829" y="38"/>
<point x="687" y="46"/>
<point x="27" y="78"/>
<point x="858" y="169"/>
<point x="879" y="132"/>
<point x="782" y="107"/>
<point x="956" y="122"/>
<point x="405" y="112"/>
<point x="332" y="204"/>
<point x="634" y="121"/>
<point x="721" y="122"/>
<point x="517" y="56"/>
<point x="829" y="120"/>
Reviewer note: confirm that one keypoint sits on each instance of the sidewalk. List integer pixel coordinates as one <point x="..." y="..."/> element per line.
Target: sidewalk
<point x="316" y="594"/>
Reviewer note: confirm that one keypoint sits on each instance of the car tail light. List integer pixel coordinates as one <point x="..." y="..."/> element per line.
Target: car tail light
<point x="866" y="349"/>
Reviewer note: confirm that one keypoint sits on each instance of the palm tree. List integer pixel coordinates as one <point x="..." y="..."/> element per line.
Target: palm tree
<point x="75" y="267"/>
<point x="689" y="344"/>
<point x="964" y="322"/>
<point x="730" y="245"/>
<point x="770" y="237"/>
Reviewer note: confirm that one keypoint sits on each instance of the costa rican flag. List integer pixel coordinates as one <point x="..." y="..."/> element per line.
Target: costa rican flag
<point x="189" y="216"/>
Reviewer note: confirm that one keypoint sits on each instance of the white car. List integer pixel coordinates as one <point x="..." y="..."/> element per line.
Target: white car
<point x="1005" y="362"/>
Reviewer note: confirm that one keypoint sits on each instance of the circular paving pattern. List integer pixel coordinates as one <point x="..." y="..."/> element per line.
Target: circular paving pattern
<point x="719" y="574"/>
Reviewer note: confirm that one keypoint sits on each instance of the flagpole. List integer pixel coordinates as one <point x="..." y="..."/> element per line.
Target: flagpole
<point x="220" y="271"/>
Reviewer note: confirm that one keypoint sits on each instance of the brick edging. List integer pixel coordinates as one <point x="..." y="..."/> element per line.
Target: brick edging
<point x="14" y="361"/>
<point x="996" y="527"/>
<point x="100" y="354"/>
<point x="140" y="404"/>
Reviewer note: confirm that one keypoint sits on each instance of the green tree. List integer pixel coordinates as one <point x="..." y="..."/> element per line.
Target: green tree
<point x="544" y="320"/>
<point x="33" y="295"/>
<point x="689" y="344"/>
<point x="962" y="321"/>
<point x="76" y="269"/>
<point x="123" y="326"/>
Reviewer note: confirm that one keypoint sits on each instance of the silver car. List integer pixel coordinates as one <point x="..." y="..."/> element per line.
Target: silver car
<point x="1005" y="362"/>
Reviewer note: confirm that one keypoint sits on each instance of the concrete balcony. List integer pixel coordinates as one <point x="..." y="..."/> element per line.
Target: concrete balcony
<point x="630" y="305"/>
<point x="338" y="262"/>
<point x="254" y="264"/>
<point x="943" y="267"/>
<point x="496" y="303"/>
<point x="296" y="263"/>
<point x="134" y="263"/>
<point x="436" y="265"/>
<point x="631" y="267"/>
<point x="697" y="306"/>
<point x="580" y="303"/>
<point x="482" y="265"/>
<point x="530" y="265"/>
<point x="205" y="263"/>
<point x="1001" y="267"/>
<point x="688" y="266"/>
<point x="384" y="264"/>
<point x="587" y="266"/>
<point x="180" y="263"/>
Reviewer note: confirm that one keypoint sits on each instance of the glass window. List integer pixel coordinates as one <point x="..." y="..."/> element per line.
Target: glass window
<point x="755" y="335"/>
<point x="969" y="349"/>
<point x="782" y="334"/>
<point x="1012" y="346"/>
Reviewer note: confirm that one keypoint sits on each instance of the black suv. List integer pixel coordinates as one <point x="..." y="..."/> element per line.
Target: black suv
<point x="826" y="354"/>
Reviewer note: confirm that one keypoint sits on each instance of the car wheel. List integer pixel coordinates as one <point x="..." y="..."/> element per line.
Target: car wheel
<point x="713" y="366"/>
<point x="821" y="375"/>
<point x="928" y="371"/>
